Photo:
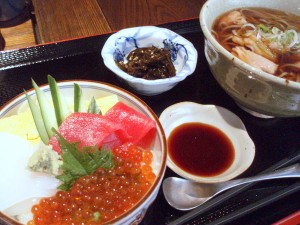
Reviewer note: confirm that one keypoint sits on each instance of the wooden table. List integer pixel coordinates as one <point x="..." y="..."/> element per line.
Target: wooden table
<point x="58" y="20"/>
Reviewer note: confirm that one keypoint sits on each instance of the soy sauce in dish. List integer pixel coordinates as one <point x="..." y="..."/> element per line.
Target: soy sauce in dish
<point x="200" y="149"/>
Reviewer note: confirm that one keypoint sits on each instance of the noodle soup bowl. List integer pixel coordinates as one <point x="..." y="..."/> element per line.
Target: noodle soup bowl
<point x="259" y="93"/>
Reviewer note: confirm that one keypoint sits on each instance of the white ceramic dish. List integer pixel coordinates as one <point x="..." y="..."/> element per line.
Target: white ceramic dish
<point x="118" y="45"/>
<point x="97" y="90"/>
<point x="221" y="118"/>
<point x="257" y="92"/>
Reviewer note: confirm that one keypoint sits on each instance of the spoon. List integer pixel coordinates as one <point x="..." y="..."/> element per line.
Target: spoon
<point x="184" y="194"/>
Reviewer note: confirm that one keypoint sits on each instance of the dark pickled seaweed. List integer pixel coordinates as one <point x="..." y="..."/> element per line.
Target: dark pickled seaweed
<point x="149" y="63"/>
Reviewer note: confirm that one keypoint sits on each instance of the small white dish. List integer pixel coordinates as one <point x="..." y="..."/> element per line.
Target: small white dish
<point x="220" y="118"/>
<point x="118" y="45"/>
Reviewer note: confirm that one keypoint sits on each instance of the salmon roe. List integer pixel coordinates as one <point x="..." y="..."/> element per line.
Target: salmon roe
<point x="103" y="195"/>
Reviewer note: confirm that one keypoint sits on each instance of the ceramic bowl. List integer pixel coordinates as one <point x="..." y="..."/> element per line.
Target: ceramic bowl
<point x="96" y="89"/>
<point x="257" y="92"/>
<point x="220" y="118"/>
<point x="118" y="45"/>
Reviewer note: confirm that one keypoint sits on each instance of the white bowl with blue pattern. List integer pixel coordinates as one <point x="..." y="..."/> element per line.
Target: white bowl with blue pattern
<point x="183" y="53"/>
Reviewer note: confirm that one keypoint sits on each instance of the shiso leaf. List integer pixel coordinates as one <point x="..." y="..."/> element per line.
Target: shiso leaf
<point x="78" y="163"/>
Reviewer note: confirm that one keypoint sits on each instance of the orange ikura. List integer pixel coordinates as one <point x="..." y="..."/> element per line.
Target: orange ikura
<point x="103" y="195"/>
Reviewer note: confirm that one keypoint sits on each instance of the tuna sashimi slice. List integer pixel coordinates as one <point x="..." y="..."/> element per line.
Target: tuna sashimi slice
<point x="139" y="127"/>
<point x="90" y="130"/>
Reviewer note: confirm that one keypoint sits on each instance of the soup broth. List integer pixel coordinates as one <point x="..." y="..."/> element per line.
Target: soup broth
<point x="264" y="38"/>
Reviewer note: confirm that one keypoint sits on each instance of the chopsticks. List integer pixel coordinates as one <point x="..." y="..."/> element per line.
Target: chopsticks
<point x="259" y="204"/>
<point x="234" y="191"/>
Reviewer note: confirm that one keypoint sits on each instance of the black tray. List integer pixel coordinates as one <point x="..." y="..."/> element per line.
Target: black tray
<point x="277" y="140"/>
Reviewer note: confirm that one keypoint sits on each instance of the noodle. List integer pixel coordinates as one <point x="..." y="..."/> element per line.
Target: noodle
<point x="272" y="34"/>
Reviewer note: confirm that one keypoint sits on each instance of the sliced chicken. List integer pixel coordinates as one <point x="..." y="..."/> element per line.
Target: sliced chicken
<point x="255" y="60"/>
<point x="256" y="46"/>
<point x="233" y="18"/>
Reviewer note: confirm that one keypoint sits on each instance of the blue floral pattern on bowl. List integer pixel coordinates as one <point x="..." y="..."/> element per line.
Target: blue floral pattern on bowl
<point x="123" y="44"/>
<point x="119" y="45"/>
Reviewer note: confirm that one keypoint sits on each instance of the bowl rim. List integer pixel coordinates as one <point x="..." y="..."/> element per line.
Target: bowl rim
<point x="236" y="61"/>
<point x="129" y="78"/>
<point x="160" y="132"/>
<point x="250" y="145"/>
